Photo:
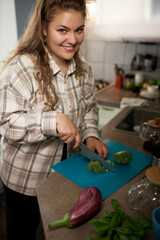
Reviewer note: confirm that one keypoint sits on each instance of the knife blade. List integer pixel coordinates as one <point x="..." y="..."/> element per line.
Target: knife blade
<point x="86" y="152"/>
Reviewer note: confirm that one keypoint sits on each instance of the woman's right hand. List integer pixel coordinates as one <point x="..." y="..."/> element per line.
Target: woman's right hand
<point x="67" y="131"/>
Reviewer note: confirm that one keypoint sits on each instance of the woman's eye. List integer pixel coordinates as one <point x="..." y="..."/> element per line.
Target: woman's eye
<point x="62" y="30"/>
<point x="80" y="30"/>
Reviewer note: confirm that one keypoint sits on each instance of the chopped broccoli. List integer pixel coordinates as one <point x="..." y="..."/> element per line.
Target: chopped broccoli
<point x="97" y="167"/>
<point x="122" y="157"/>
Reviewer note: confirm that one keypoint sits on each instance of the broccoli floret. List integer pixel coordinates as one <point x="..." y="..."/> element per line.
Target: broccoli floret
<point x="122" y="157"/>
<point x="97" y="167"/>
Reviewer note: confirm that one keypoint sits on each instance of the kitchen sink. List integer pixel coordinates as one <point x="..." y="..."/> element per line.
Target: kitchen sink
<point x="132" y="120"/>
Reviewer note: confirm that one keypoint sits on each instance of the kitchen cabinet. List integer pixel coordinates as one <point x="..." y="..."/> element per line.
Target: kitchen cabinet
<point x="128" y="20"/>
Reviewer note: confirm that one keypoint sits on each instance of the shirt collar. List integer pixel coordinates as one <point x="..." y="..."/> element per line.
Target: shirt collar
<point x="56" y="68"/>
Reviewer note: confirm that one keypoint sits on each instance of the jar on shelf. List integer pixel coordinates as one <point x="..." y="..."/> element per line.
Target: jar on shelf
<point x="144" y="196"/>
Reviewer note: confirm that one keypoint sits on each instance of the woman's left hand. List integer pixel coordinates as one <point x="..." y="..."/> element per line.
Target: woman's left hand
<point x="96" y="145"/>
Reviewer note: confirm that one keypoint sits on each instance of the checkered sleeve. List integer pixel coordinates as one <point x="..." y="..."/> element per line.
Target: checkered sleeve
<point x="18" y="120"/>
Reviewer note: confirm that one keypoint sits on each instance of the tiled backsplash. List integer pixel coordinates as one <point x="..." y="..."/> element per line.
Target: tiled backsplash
<point x="103" y="55"/>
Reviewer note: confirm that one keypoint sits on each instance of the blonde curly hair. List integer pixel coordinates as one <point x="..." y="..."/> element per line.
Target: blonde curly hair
<point x="32" y="44"/>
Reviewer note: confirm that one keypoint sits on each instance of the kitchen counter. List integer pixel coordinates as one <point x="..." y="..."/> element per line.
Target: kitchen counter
<point x="57" y="195"/>
<point x="111" y="96"/>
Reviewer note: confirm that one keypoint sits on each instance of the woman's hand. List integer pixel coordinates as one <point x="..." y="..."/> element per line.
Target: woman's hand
<point x="96" y="145"/>
<point x="67" y="131"/>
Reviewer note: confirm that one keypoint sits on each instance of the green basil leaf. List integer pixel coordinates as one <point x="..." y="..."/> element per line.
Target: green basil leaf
<point x="115" y="204"/>
<point x="143" y="222"/>
<point x="125" y="230"/>
<point x="123" y="236"/>
<point x="115" y="221"/>
<point x="101" y="225"/>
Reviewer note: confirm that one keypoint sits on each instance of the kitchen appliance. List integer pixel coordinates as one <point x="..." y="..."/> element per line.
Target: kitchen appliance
<point x="146" y="62"/>
<point x="150" y="63"/>
<point x="137" y="62"/>
<point x="86" y="152"/>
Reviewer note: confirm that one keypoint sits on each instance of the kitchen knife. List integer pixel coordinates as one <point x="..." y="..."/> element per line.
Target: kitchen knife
<point x="86" y="152"/>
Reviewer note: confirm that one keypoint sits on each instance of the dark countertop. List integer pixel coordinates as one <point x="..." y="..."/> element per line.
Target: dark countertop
<point x="112" y="96"/>
<point x="57" y="195"/>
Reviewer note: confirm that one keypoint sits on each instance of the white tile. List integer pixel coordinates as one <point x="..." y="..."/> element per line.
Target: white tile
<point x="126" y="68"/>
<point x="109" y="72"/>
<point x="98" y="70"/>
<point x="130" y="51"/>
<point x="83" y="48"/>
<point x="152" y="49"/>
<point x="95" y="51"/>
<point x="90" y="35"/>
<point x="114" y="52"/>
<point x="141" y="48"/>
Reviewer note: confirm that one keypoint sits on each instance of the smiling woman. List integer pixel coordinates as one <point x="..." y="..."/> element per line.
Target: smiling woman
<point x="47" y="107"/>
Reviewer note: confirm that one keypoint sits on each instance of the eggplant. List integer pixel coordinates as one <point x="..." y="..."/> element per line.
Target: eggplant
<point x="86" y="207"/>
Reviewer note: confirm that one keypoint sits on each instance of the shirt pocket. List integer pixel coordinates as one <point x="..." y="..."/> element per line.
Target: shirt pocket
<point x="86" y="99"/>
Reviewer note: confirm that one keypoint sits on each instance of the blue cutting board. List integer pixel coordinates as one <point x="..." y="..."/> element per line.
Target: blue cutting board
<point x="75" y="169"/>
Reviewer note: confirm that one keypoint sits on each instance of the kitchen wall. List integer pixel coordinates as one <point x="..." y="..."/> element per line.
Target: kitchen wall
<point x="8" y="27"/>
<point x="13" y="19"/>
<point x="103" y="55"/>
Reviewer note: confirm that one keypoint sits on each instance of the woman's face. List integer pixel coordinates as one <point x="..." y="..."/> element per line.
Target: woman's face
<point x="64" y="35"/>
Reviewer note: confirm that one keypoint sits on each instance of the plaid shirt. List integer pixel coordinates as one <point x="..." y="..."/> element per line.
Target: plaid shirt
<point x="30" y="143"/>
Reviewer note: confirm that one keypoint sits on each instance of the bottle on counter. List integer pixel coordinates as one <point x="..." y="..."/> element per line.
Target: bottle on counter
<point x="144" y="196"/>
<point x="119" y="81"/>
<point x="119" y="76"/>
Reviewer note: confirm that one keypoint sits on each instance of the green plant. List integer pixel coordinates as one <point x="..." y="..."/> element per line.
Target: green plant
<point x="119" y="226"/>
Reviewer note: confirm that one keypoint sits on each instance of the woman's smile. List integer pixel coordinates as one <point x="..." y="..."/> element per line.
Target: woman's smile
<point x="69" y="48"/>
